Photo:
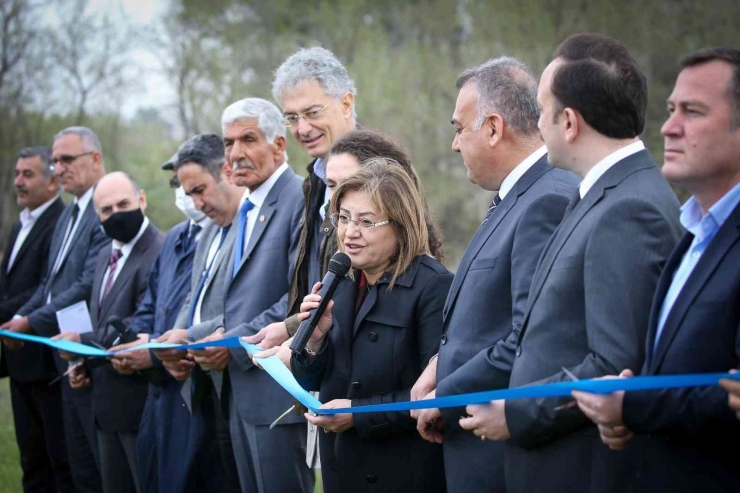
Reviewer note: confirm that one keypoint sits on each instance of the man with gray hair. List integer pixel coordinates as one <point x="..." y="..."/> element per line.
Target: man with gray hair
<point x="36" y="398"/>
<point x="496" y="132"/>
<point x="317" y="96"/>
<point x="78" y="161"/>
<point x="256" y="295"/>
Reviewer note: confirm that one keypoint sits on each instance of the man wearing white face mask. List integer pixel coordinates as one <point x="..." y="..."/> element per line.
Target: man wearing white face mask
<point x="168" y="434"/>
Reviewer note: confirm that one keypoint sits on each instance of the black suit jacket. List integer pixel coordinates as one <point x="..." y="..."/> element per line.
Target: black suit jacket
<point x="588" y="311"/>
<point x="375" y="357"/>
<point x="685" y="427"/>
<point x="118" y="400"/>
<point x="34" y="362"/>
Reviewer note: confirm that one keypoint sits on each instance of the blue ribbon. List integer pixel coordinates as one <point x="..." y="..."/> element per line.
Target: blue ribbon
<point x="284" y="377"/>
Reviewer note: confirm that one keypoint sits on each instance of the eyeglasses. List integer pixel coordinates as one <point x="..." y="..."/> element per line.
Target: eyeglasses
<point x="67" y="159"/>
<point x="366" y="224"/>
<point x="292" y="119"/>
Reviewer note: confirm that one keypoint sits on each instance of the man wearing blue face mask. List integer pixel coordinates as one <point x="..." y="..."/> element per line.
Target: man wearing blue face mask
<point x="120" y="281"/>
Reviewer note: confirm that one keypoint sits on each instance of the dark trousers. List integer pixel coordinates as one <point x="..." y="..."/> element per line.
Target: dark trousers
<point x="39" y="430"/>
<point x="118" y="461"/>
<point x="223" y="433"/>
<point x="472" y="464"/>
<point x="82" y="444"/>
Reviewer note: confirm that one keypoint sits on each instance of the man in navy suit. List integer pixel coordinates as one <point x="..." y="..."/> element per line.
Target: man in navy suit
<point x="68" y="277"/>
<point x="256" y="295"/>
<point x="496" y="132"/>
<point x="695" y="320"/>
<point x="37" y="405"/>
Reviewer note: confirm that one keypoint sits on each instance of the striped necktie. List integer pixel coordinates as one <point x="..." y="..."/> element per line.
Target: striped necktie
<point x="494" y="204"/>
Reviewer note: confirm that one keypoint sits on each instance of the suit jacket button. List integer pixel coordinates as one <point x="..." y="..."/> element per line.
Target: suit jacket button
<point x="444" y="339"/>
<point x="373" y="336"/>
<point x="356" y="385"/>
<point x="371" y="478"/>
<point x="518" y="351"/>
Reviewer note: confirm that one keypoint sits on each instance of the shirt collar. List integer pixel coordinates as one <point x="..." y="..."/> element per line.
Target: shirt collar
<point x="33" y="215"/>
<point x="319" y="168"/>
<point x="83" y="201"/>
<point x="126" y="248"/>
<point x="519" y="171"/>
<point x="703" y="226"/>
<point x="258" y="196"/>
<point x="603" y="166"/>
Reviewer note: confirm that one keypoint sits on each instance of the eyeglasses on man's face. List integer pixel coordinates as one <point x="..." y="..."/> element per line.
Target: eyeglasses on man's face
<point x="343" y="220"/>
<point x="67" y="159"/>
<point x="292" y="119"/>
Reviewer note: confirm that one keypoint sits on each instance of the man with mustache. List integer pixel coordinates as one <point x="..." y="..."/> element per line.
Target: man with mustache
<point x="37" y="405"/>
<point x="78" y="162"/>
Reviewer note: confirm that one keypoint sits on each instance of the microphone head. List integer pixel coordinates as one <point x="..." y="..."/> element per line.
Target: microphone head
<point x="340" y="264"/>
<point x="117" y="323"/>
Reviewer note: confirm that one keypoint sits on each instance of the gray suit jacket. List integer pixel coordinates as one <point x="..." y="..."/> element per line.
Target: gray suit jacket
<point x="258" y="296"/>
<point x="118" y="400"/>
<point x="588" y="311"/>
<point x="484" y="311"/>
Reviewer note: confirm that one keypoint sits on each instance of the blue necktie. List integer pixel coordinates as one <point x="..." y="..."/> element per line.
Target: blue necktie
<point x="204" y="278"/>
<point x="494" y="204"/>
<point x="239" y="247"/>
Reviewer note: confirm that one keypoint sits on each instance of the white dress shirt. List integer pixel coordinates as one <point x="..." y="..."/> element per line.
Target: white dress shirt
<point x="519" y="171"/>
<point x="257" y="197"/>
<point x="213" y="251"/>
<point x="125" y="253"/>
<point x="605" y="164"/>
<point x="28" y="220"/>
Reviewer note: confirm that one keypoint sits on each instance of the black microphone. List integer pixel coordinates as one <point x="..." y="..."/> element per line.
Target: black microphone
<point x="338" y="267"/>
<point x="124" y="333"/>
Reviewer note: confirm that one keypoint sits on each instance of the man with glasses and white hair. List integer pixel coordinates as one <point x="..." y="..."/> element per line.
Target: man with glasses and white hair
<point x="78" y="161"/>
<point x="256" y="295"/>
<point x="317" y="96"/>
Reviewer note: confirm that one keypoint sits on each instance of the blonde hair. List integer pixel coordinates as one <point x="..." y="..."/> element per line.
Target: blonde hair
<point x="393" y="192"/>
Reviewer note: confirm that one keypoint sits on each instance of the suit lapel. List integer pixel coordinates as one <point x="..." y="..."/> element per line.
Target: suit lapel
<point x="9" y="249"/>
<point x="98" y="284"/>
<point x="367" y="305"/>
<point x="58" y="238"/>
<point x="88" y="216"/>
<point x="727" y="236"/>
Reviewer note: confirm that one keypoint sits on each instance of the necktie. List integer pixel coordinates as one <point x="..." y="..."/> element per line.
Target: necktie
<point x="68" y="235"/>
<point x="115" y="256"/>
<point x="494" y="204"/>
<point x="204" y="278"/>
<point x="574" y="199"/>
<point x="190" y="239"/>
<point x="239" y="247"/>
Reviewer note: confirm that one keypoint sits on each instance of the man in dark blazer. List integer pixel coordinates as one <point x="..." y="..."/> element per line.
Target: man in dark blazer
<point x="496" y="131"/>
<point x="590" y="296"/>
<point x="268" y="225"/>
<point x="37" y="405"/>
<point x="695" y="319"/>
<point x="206" y="177"/>
<point x="68" y="277"/>
<point x="120" y="281"/>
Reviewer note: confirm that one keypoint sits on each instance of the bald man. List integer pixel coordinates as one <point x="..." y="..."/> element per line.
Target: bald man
<point x="121" y="274"/>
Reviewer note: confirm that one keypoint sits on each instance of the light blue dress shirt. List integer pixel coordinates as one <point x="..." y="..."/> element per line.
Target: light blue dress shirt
<point x="704" y="229"/>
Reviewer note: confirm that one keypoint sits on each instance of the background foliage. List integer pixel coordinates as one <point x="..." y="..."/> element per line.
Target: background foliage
<point x="404" y="57"/>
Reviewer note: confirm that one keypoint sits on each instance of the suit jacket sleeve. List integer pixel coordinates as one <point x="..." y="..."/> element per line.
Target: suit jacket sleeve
<point x="490" y="369"/>
<point x="692" y="413"/>
<point x="278" y="311"/>
<point x="43" y="317"/>
<point x="624" y="256"/>
<point x="428" y="319"/>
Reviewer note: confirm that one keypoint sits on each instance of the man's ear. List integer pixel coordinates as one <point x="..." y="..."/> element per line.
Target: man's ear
<point x="347" y="103"/>
<point x="494" y="127"/>
<point x="278" y="151"/>
<point x="571" y="121"/>
<point x="226" y="172"/>
<point x="142" y="200"/>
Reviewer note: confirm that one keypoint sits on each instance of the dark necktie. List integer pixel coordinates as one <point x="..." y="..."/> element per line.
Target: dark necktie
<point x="70" y="230"/>
<point x="190" y="239"/>
<point x="239" y="247"/>
<point x="574" y="199"/>
<point x="494" y="204"/>
<point x="112" y="263"/>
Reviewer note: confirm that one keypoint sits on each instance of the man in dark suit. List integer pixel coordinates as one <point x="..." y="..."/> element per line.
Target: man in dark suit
<point x="695" y="320"/>
<point x="68" y="277"/>
<point x="268" y="226"/>
<point x="37" y="405"/>
<point x="206" y="178"/>
<point x="496" y="131"/>
<point x="120" y="281"/>
<point x="589" y="301"/>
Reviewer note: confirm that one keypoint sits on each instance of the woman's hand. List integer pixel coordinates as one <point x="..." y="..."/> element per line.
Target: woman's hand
<point x="336" y="422"/>
<point x="310" y="302"/>
<point x="283" y="353"/>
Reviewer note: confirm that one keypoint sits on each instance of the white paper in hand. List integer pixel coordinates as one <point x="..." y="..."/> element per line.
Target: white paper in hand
<point x="75" y="318"/>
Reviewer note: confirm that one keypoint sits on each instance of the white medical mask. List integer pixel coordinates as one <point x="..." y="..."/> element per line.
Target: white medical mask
<point x="186" y="205"/>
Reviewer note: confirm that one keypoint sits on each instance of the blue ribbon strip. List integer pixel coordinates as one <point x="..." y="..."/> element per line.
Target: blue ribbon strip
<point x="284" y="377"/>
<point x="85" y="350"/>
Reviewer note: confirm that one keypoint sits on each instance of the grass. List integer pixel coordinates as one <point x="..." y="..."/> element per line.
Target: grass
<point x="10" y="466"/>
